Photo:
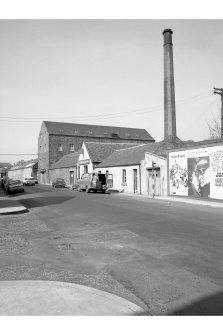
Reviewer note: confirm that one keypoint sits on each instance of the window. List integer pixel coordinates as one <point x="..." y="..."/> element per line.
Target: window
<point x="114" y="135"/>
<point x="60" y="147"/>
<point x="85" y="168"/>
<point x="124" y="176"/>
<point x="71" y="147"/>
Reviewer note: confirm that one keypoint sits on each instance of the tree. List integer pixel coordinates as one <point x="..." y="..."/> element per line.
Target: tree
<point x="214" y="126"/>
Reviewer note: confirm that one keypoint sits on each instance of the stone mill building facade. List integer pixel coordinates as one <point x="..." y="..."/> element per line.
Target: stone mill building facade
<point x="57" y="139"/>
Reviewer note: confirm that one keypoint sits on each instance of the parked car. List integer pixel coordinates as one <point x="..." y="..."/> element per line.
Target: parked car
<point x="30" y="181"/>
<point x="13" y="185"/>
<point x="59" y="182"/>
<point x="92" y="182"/>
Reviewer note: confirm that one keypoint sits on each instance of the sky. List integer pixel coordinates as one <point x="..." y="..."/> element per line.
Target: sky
<point x="105" y="72"/>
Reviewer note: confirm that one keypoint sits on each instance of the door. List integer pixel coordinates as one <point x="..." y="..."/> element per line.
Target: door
<point x="71" y="177"/>
<point x="135" y="181"/>
<point x="153" y="178"/>
<point x="158" y="183"/>
<point x="43" y="178"/>
<point x="150" y="180"/>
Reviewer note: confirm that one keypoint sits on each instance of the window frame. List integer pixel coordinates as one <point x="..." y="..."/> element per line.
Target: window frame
<point x="71" y="147"/>
<point x="59" y="147"/>
<point x="124" y="178"/>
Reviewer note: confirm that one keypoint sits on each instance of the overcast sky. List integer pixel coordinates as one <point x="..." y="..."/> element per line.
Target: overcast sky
<point x="105" y="72"/>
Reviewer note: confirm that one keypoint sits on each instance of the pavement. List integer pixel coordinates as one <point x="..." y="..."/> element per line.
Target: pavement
<point x="10" y="206"/>
<point x="37" y="297"/>
<point x="186" y="200"/>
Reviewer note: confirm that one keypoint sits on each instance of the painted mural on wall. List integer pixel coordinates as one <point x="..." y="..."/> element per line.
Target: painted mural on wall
<point x="197" y="172"/>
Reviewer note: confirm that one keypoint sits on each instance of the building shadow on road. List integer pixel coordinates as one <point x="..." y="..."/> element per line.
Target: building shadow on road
<point x="43" y="201"/>
<point x="208" y="306"/>
<point x="20" y="194"/>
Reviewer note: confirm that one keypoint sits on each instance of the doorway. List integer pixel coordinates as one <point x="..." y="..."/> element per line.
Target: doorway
<point x="153" y="182"/>
<point x="71" y="177"/>
<point x="135" y="181"/>
<point x="43" y="178"/>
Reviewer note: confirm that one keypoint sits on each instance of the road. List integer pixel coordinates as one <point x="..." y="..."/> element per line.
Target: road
<point x="164" y="256"/>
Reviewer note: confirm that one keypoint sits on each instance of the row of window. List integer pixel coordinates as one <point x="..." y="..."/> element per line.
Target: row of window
<point x="59" y="148"/>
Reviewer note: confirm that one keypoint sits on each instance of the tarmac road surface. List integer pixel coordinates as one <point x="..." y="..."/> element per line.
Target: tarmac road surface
<point x="164" y="257"/>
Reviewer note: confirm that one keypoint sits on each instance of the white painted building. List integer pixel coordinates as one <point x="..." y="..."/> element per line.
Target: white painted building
<point x="154" y="175"/>
<point x="93" y="153"/>
<point x="137" y="171"/>
<point x="24" y="169"/>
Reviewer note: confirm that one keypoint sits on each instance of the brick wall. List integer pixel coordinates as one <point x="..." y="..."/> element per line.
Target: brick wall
<point x="62" y="173"/>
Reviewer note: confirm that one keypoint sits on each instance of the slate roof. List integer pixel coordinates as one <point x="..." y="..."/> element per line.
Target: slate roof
<point x="69" y="160"/>
<point x="129" y="156"/>
<point x="25" y="164"/>
<point x="98" y="151"/>
<point x="133" y="156"/>
<point x="86" y="130"/>
<point x="5" y="165"/>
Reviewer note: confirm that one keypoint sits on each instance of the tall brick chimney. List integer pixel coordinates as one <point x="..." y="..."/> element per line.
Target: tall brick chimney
<point x="169" y="91"/>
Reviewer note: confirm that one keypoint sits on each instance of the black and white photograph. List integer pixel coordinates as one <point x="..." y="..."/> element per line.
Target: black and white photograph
<point x="111" y="167"/>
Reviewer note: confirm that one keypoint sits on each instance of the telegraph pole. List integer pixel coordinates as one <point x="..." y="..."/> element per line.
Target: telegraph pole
<point x="220" y="92"/>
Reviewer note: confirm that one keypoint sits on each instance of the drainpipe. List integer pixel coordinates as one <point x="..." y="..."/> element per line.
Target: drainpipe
<point x="140" y="179"/>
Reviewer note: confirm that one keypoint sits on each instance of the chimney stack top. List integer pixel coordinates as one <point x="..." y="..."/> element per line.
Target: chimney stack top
<point x="168" y="31"/>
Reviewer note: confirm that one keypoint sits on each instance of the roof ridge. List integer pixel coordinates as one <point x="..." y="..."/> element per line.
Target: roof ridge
<point x="111" y="143"/>
<point x="96" y="125"/>
<point x="140" y="145"/>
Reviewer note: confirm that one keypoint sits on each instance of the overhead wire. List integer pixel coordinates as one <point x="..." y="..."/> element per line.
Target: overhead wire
<point x="107" y="116"/>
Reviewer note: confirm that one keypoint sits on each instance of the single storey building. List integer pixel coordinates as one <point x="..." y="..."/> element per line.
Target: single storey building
<point x="93" y="153"/>
<point x="65" y="168"/>
<point x="137" y="170"/>
<point x="24" y="169"/>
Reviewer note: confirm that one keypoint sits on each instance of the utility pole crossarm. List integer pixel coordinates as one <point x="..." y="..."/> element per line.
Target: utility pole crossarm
<point x="218" y="91"/>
